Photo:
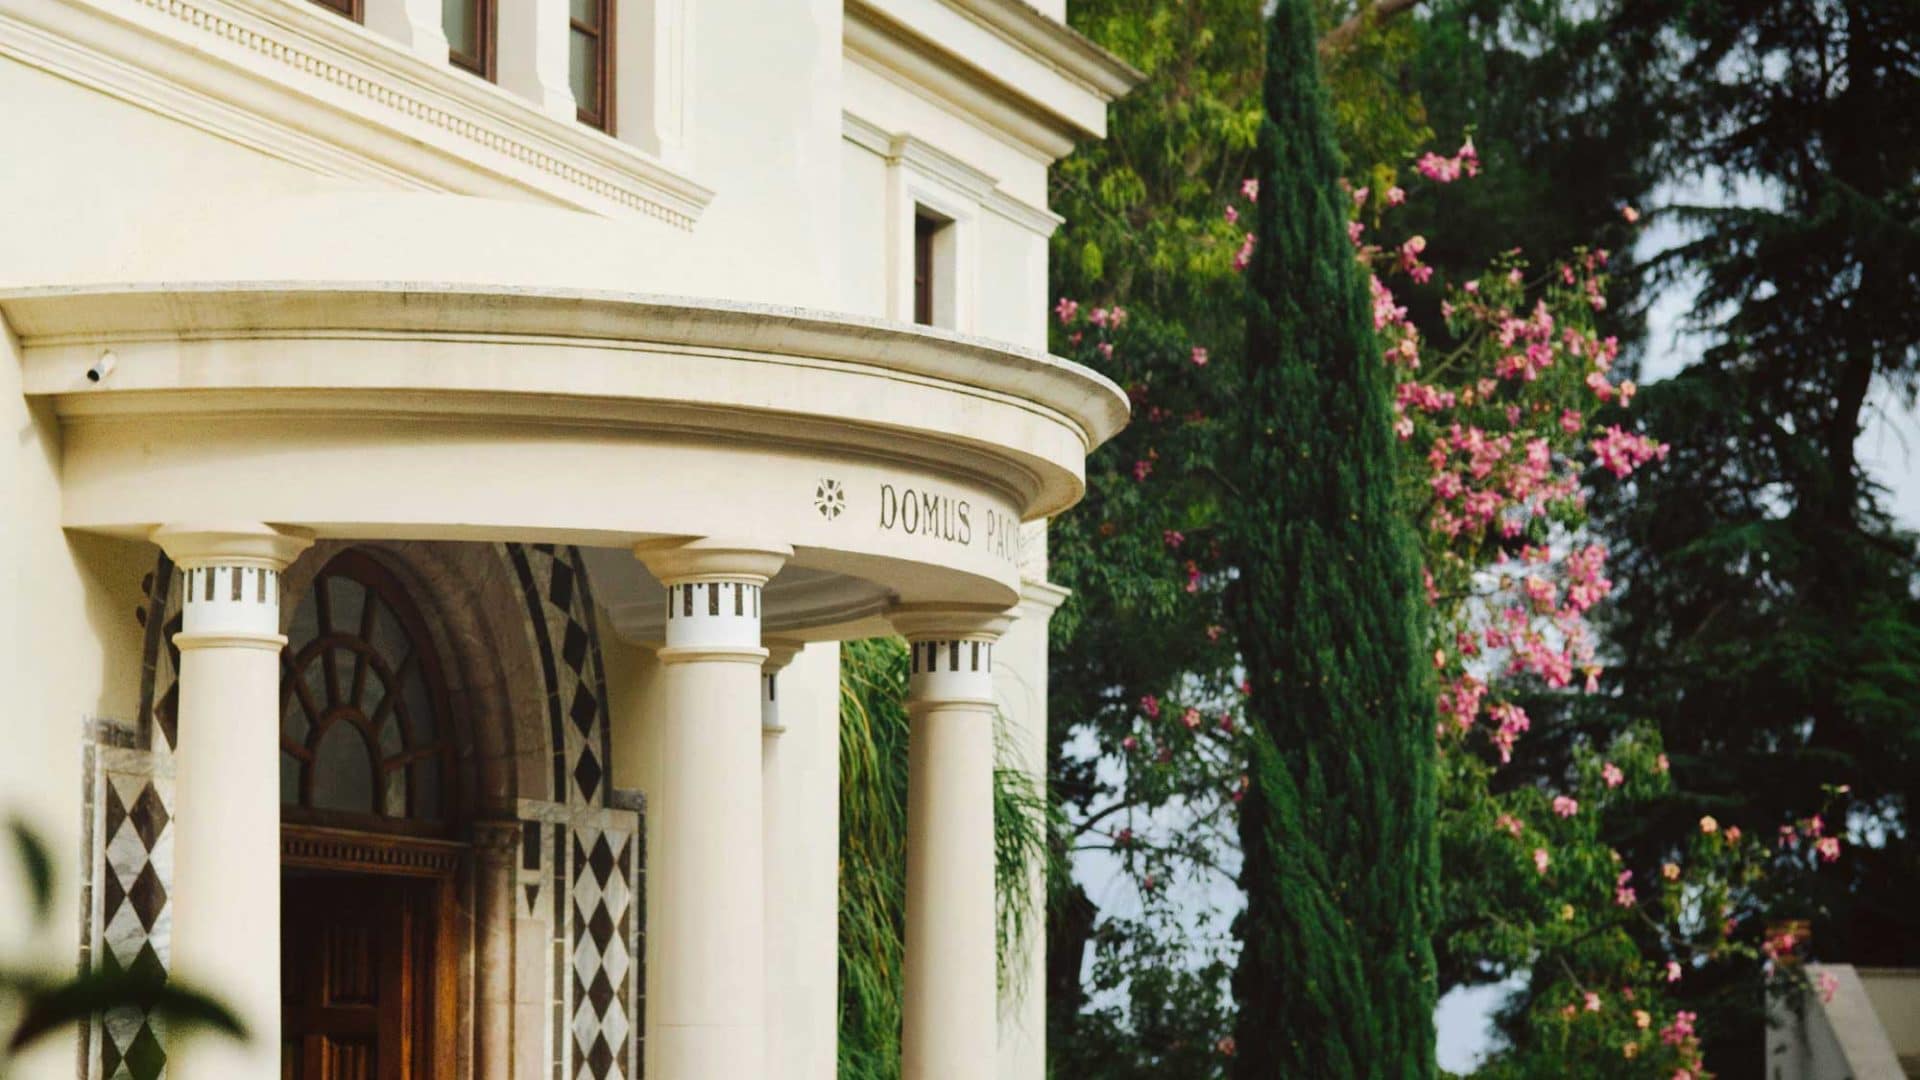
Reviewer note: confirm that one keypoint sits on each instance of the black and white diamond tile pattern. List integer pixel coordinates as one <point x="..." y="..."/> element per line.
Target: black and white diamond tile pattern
<point x="601" y="915"/>
<point x="554" y="579"/>
<point x="135" y="921"/>
<point x="160" y="668"/>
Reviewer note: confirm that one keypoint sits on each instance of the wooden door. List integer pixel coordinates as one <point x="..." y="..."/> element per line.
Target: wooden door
<point x="354" y="957"/>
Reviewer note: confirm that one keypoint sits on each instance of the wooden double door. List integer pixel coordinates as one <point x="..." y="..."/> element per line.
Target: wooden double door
<point x="365" y="992"/>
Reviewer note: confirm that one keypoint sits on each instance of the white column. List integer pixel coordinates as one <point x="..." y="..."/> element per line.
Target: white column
<point x="1020" y="673"/>
<point x="707" y="870"/>
<point x="496" y="853"/>
<point x="773" y="845"/>
<point x="226" y="873"/>
<point x="530" y="58"/>
<point x="415" y="24"/>
<point x="950" y="1001"/>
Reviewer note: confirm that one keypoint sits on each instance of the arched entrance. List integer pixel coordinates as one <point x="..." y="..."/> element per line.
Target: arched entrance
<point x="370" y="872"/>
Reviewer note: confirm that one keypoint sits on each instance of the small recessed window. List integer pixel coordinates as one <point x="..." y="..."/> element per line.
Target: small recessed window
<point x="349" y="8"/>
<point x="590" y="61"/>
<point x="470" y="27"/>
<point x="925" y="232"/>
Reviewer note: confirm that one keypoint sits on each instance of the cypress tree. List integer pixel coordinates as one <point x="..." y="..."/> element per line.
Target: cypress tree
<point x="1336" y="971"/>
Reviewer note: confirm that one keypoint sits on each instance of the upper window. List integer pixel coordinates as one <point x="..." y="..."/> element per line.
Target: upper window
<point x="590" y="61"/>
<point x="363" y="707"/>
<point x="924" y="231"/>
<point x="470" y="27"/>
<point x="350" y="8"/>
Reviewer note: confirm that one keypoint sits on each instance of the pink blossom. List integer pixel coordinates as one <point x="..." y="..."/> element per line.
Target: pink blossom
<point x="1396" y="196"/>
<point x="1511" y="824"/>
<point x="1628" y="388"/>
<point x="1620" y="452"/>
<point x="1066" y="309"/>
<point x="1191" y="718"/>
<point x="1251" y="189"/>
<point x="1233" y="216"/>
<point x="1612" y="775"/>
<point x="1592" y="1001"/>
<point x="1513" y="723"/>
<point x="1642" y="1019"/>
<point x="1673" y="971"/>
<point x="1360" y="196"/>
<point x="1117" y="316"/>
<point x="1630" y="214"/>
<point x="1150" y="704"/>
<point x="1106" y="349"/>
<point x="1098" y="316"/>
<point x="1540" y="860"/>
<point x="1661" y="763"/>
<point x="1173" y="538"/>
<point x="1828" y="847"/>
<point x="1565" y="806"/>
<point x="1828" y="983"/>
<point x="1142" y="469"/>
<point x="1199" y="356"/>
<point x="1244" y="257"/>
<point x="1623" y="894"/>
<point x="1129" y="743"/>
<point x="1787" y="836"/>
<point x="1681" y="1030"/>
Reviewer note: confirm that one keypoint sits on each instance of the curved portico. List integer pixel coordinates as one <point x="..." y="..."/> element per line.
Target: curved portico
<point x="729" y="471"/>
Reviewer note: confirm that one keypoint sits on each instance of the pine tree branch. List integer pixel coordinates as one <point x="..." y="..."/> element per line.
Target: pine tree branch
<point x="1340" y="37"/>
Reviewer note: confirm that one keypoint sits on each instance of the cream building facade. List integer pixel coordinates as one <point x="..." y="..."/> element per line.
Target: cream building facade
<point x="449" y="440"/>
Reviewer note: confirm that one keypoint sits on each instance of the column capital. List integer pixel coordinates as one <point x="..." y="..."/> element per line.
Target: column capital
<point x="780" y="653"/>
<point x="1043" y="598"/>
<point x="231" y="543"/>
<point x="714" y="589"/>
<point x="708" y="558"/>
<point x="950" y="622"/>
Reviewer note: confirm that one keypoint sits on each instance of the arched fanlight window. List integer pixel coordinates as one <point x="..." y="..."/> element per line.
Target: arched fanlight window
<point x="363" y="717"/>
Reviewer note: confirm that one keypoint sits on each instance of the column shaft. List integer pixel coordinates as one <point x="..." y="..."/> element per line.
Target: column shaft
<point x="950" y="1000"/>
<point x="950" y="1007"/>
<point x="707" y="864"/>
<point x="226" y="845"/>
<point x="226" y="874"/>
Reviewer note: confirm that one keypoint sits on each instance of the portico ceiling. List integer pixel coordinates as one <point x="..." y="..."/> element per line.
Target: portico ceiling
<point x="897" y="461"/>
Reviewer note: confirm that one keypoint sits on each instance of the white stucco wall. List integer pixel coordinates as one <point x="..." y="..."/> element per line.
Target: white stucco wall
<point x="72" y="653"/>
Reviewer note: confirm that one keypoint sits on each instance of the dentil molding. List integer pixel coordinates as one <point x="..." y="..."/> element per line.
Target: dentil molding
<point x="308" y="87"/>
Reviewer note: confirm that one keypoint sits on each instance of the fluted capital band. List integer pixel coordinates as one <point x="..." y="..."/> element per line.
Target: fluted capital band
<point x="715" y="588"/>
<point x="230" y="571"/>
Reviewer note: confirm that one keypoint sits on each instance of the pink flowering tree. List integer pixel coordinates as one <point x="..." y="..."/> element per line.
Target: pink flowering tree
<point x="1507" y="419"/>
<point x="1509" y="410"/>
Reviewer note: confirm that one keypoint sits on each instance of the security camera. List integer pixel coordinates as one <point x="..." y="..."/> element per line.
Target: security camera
<point x="102" y="367"/>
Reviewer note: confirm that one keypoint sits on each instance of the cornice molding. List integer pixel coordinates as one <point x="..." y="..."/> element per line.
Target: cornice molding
<point x="1059" y="45"/>
<point x="331" y="96"/>
<point x="929" y="159"/>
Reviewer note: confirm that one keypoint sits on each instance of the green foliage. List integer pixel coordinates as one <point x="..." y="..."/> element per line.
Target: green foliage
<point x="1336" y="974"/>
<point x="873" y="854"/>
<point x="1771" y="628"/>
<point x="1144" y="204"/>
<point x="43" y="1006"/>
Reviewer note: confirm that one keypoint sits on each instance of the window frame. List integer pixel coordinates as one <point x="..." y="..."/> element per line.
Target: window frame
<point x="603" y="37"/>
<point x="355" y="10"/>
<point x="486" y="18"/>
<point x="365" y="570"/>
